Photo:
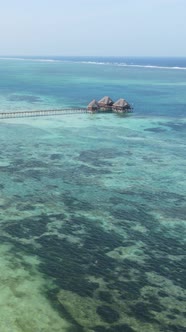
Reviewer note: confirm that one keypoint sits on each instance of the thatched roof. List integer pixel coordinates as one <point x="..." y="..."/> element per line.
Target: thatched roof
<point x="106" y="101"/>
<point x="121" y="103"/>
<point x="93" y="104"/>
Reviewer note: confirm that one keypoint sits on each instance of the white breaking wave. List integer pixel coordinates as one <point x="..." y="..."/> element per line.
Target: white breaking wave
<point x="19" y="59"/>
<point x="29" y="59"/>
<point x="152" y="66"/>
<point x="95" y="63"/>
<point x="130" y="65"/>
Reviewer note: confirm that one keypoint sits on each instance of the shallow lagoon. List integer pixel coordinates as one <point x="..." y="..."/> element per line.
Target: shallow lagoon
<point x="92" y="224"/>
<point x="92" y="206"/>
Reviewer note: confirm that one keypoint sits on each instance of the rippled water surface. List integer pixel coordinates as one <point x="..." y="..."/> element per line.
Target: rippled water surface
<point x="92" y="206"/>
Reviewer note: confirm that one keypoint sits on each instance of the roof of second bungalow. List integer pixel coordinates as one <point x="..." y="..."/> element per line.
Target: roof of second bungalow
<point x="106" y="100"/>
<point x="121" y="103"/>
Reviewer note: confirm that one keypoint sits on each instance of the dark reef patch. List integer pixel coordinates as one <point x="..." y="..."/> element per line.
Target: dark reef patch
<point x="177" y="126"/>
<point x="56" y="156"/>
<point x="178" y="211"/>
<point x="141" y="311"/>
<point x="99" y="157"/>
<point x="31" y="163"/>
<point x="129" y="290"/>
<point x="175" y="311"/>
<point x="29" y="227"/>
<point x="155" y="129"/>
<point x="135" y="214"/>
<point x="162" y="294"/>
<point x="100" y="329"/>
<point x="33" y="173"/>
<point x="63" y="259"/>
<point x="176" y="328"/>
<point x="105" y="296"/>
<point x="73" y="203"/>
<point x="114" y="328"/>
<point x="160" y="196"/>
<point x="171" y="317"/>
<point x="108" y="314"/>
<point x="173" y="270"/>
<point x="96" y="236"/>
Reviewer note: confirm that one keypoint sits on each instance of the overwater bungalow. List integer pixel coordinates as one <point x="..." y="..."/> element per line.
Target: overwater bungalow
<point x="121" y="105"/>
<point x="105" y="103"/>
<point x="93" y="105"/>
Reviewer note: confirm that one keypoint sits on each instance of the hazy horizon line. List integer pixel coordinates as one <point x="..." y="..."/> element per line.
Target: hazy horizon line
<point x="95" y="56"/>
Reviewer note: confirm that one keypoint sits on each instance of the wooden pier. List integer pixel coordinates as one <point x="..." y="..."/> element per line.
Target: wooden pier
<point x="25" y="114"/>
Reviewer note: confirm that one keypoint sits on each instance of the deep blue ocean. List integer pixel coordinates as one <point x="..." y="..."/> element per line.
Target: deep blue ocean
<point x="92" y="206"/>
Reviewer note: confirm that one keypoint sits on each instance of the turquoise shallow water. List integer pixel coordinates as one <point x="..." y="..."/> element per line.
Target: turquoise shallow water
<point x="92" y="206"/>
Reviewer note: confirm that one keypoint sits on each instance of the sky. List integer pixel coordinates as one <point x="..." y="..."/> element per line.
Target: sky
<point x="93" y="27"/>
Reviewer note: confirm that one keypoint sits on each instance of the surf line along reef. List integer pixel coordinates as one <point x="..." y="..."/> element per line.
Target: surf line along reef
<point x="105" y="104"/>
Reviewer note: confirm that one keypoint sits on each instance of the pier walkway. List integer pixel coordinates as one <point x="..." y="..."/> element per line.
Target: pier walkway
<point x="25" y="114"/>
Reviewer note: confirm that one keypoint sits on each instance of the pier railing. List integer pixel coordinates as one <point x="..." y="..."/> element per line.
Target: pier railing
<point x="25" y="114"/>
